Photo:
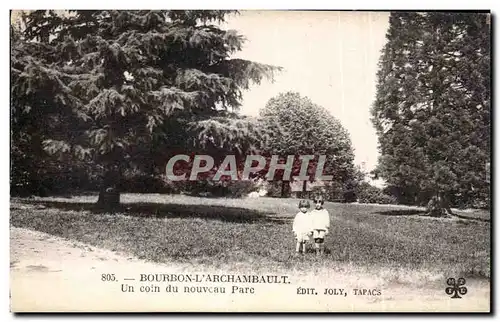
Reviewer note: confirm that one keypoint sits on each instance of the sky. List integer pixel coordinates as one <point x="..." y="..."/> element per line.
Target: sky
<point x="329" y="56"/>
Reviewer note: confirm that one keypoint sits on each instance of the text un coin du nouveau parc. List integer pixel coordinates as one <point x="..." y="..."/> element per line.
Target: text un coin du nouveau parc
<point x="224" y="284"/>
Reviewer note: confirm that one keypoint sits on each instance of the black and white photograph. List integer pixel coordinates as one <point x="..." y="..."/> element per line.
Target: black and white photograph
<point x="333" y="161"/>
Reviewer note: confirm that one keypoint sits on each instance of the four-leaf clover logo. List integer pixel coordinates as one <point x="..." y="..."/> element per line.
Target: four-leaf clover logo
<point x="456" y="287"/>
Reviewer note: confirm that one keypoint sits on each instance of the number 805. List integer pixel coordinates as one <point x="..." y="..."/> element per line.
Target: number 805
<point x="108" y="277"/>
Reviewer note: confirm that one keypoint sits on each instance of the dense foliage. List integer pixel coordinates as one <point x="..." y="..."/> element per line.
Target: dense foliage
<point x="296" y="126"/>
<point x="109" y="88"/>
<point x="432" y="110"/>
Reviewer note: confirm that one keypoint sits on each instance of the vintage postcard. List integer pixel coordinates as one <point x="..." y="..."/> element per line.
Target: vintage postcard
<point x="250" y="161"/>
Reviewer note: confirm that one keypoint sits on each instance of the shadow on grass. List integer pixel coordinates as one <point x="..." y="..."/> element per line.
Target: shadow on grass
<point x="412" y="212"/>
<point x="465" y="219"/>
<point x="155" y="210"/>
<point x="401" y="212"/>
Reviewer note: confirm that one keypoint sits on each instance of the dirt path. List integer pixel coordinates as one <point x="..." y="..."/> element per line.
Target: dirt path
<point x="53" y="274"/>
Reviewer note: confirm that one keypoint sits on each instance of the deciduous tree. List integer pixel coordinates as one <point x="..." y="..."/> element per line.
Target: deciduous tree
<point x="296" y="126"/>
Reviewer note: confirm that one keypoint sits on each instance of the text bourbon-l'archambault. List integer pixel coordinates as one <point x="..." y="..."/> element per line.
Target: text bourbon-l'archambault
<point x="215" y="278"/>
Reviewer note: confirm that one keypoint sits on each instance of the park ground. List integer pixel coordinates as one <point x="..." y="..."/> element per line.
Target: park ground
<point x="60" y="247"/>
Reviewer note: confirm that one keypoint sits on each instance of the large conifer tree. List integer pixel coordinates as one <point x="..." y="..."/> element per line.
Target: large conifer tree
<point x="101" y="86"/>
<point x="432" y="110"/>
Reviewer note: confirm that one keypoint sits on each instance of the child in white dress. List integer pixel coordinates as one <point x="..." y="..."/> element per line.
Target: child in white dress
<point x="320" y="221"/>
<point x="302" y="226"/>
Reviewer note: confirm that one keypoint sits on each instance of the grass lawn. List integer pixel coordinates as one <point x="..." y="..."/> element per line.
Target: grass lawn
<point x="395" y="243"/>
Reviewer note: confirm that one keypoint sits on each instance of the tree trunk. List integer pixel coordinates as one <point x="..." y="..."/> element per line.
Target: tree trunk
<point x="303" y="194"/>
<point x="109" y="199"/>
<point x="439" y="206"/>
<point x="109" y="194"/>
<point x="285" y="189"/>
